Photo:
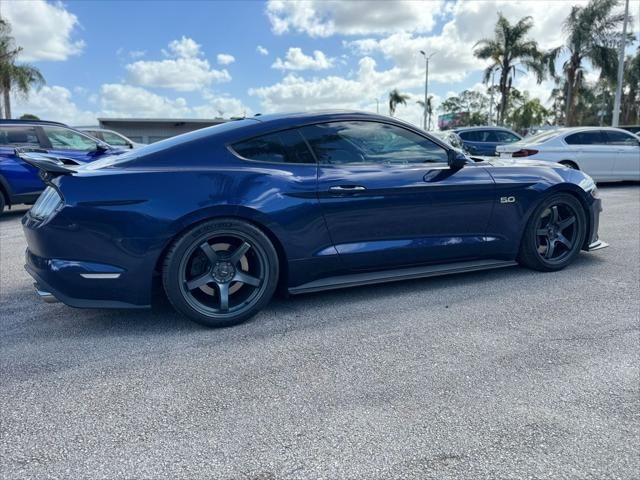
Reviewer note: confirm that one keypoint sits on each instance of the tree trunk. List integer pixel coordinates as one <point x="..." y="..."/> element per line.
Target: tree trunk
<point x="7" y="102"/>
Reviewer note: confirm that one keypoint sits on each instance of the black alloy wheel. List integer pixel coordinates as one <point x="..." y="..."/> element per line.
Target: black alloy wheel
<point x="555" y="233"/>
<point x="221" y="273"/>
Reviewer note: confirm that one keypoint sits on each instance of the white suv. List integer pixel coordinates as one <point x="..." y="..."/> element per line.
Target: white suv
<point x="606" y="154"/>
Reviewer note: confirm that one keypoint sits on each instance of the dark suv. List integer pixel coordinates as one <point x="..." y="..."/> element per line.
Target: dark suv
<point x="19" y="182"/>
<point x="484" y="140"/>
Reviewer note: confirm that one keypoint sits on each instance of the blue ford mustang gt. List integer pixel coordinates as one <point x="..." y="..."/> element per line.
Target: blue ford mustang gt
<point x="224" y="216"/>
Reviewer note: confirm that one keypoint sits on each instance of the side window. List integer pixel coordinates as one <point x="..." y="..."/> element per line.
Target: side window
<point x="473" y="136"/>
<point x="65" y="139"/>
<point x="370" y="142"/>
<point x="622" y="139"/>
<point x="491" y="136"/>
<point x="506" y="137"/>
<point x="593" y="137"/>
<point x="17" y="136"/>
<point x="113" y="139"/>
<point x="280" y="147"/>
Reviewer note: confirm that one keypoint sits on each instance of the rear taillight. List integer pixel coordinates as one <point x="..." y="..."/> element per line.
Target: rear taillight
<point x="48" y="202"/>
<point x="525" y="152"/>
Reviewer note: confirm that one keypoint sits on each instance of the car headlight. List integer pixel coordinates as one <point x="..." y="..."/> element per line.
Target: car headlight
<point x="48" y="202"/>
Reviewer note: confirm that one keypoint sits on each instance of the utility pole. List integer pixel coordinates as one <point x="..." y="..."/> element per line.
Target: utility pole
<point x="426" y="86"/>
<point x="616" y="105"/>
<point x="377" y="105"/>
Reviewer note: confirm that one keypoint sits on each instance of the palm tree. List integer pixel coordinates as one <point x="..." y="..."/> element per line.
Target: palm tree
<point x="396" y="98"/>
<point x="591" y="31"/>
<point x="20" y="78"/>
<point x="507" y="50"/>
<point x="429" y="108"/>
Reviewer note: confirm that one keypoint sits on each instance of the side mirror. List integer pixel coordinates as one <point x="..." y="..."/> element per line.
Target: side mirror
<point x="456" y="160"/>
<point x="101" y="147"/>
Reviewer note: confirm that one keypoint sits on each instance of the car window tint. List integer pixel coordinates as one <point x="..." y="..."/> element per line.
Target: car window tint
<point x="113" y="139"/>
<point x="505" y="137"/>
<point x="280" y="147"/>
<point x="593" y="137"/>
<point x="16" y="136"/>
<point x="491" y="136"/>
<point x="473" y="136"/>
<point x="620" y="138"/>
<point x="370" y="142"/>
<point x="66" y="139"/>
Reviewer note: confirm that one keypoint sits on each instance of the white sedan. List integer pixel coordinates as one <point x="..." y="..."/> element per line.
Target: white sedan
<point x="606" y="154"/>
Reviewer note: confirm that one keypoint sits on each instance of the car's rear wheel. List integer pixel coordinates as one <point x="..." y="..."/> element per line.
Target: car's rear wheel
<point x="221" y="272"/>
<point x="570" y="164"/>
<point x="554" y="234"/>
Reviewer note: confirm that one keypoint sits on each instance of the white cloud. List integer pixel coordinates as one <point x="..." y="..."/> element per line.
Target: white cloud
<point x="323" y="18"/>
<point x="53" y="103"/>
<point x="297" y="60"/>
<point x="295" y="93"/>
<point x="120" y="100"/>
<point x="225" y="59"/>
<point x="137" y="53"/>
<point x="185" y="71"/>
<point x="44" y="30"/>
<point x="261" y="50"/>
<point x="184" y="48"/>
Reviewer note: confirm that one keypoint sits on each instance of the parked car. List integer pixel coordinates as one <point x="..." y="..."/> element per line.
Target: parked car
<point x="305" y="202"/>
<point x="606" y="154"/>
<point x="635" y="129"/>
<point x="19" y="182"/>
<point x="451" y="138"/>
<point x="484" y="140"/>
<point x="111" y="137"/>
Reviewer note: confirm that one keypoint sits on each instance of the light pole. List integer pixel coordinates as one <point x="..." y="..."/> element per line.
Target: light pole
<point x="377" y="105"/>
<point x="616" y="104"/>
<point x="426" y="85"/>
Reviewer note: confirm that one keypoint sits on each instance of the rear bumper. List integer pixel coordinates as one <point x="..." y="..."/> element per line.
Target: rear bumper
<point x="79" y="284"/>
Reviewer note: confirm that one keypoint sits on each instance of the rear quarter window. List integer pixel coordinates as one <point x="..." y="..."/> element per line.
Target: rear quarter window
<point x="586" y="138"/>
<point x="281" y="147"/>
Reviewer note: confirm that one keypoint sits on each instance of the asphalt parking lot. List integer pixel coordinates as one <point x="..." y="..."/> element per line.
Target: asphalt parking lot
<point x="496" y="375"/>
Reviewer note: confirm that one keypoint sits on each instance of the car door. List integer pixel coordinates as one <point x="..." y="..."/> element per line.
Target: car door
<point x="627" y="148"/>
<point x="71" y="144"/>
<point x="593" y="155"/>
<point x="20" y="178"/>
<point x="390" y="200"/>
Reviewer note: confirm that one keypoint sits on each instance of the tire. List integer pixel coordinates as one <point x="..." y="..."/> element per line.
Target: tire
<point x="554" y="234"/>
<point x="217" y="260"/>
<point x="569" y="164"/>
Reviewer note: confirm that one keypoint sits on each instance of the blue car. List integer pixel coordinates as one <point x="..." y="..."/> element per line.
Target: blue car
<point x="484" y="140"/>
<point x="224" y="216"/>
<point x="19" y="182"/>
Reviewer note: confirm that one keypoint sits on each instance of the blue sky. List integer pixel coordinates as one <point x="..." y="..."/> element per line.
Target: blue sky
<point x="211" y="58"/>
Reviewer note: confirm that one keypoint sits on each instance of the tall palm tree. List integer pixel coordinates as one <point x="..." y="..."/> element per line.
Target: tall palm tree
<point x="20" y="78"/>
<point x="429" y="108"/>
<point x="592" y="32"/>
<point x="396" y="98"/>
<point x="509" y="49"/>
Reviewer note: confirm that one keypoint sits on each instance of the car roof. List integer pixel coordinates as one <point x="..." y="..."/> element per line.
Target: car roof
<point x="488" y="127"/>
<point x="32" y="122"/>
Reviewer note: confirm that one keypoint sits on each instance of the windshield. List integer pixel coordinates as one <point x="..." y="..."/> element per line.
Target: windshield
<point x="541" y="137"/>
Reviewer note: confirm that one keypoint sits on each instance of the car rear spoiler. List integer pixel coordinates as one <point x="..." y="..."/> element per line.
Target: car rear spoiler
<point x="51" y="165"/>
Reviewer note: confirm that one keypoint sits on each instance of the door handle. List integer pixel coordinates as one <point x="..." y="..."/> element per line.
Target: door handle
<point x="346" y="188"/>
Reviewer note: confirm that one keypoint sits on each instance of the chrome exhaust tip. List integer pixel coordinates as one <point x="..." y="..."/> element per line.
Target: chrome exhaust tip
<point x="44" y="295"/>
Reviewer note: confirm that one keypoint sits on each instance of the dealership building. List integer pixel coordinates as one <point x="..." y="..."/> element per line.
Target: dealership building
<point x="150" y="130"/>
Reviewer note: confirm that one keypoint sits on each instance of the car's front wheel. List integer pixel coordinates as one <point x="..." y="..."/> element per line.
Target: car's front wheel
<point x="554" y="234"/>
<point x="221" y="272"/>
